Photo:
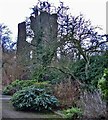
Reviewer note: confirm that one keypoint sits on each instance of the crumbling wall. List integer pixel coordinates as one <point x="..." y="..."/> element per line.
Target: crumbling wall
<point x="44" y="27"/>
<point x="23" y="52"/>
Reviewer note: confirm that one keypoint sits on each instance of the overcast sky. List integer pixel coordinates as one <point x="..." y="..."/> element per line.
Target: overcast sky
<point x="13" y="12"/>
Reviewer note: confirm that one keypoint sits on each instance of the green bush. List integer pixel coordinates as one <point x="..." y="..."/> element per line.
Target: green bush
<point x="72" y="113"/>
<point x="49" y="74"/>
<point x="20" y="84"/>
<point x="32" y="98"/>
<point x="103" y="84"/>
<point x="96" y="66"/>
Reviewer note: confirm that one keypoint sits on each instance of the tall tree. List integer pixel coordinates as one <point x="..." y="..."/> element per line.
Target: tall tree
<point x="5" y="38"/>
<point x="77" y="38"/>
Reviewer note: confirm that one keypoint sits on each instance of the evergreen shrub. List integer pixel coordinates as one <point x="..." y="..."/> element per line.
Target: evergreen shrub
<point x="32" y="98"/>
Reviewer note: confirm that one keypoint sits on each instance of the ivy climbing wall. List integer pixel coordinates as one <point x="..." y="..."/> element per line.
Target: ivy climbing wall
<point x="44" y="26"/>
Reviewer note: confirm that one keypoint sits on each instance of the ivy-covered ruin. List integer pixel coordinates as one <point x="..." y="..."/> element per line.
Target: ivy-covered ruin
<point x="44" y="27"/>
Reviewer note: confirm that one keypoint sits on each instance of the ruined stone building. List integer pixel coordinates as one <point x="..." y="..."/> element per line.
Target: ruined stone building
<point x="23" y="51"/>
<point x="44" y="27"/>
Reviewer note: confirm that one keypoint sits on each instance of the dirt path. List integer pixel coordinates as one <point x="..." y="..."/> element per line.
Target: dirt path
<point x="9" y="112"/>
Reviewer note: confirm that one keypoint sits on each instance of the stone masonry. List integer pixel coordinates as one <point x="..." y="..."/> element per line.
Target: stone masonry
<point x="44" y="27"/>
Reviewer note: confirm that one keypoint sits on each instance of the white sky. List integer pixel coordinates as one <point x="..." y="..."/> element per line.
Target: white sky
<point x="13" y="12"/>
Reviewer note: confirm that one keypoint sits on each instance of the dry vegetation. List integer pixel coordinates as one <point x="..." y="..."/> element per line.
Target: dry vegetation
<point x="67" y="92"/>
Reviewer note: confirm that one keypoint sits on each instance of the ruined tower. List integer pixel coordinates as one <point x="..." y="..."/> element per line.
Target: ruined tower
<point x="23" y="52"/>
<point x="44" y="27"/>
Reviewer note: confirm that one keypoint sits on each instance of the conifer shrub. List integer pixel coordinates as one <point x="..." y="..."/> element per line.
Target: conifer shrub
<point x="95" y="70"/>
